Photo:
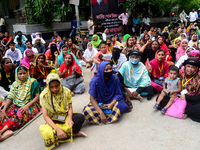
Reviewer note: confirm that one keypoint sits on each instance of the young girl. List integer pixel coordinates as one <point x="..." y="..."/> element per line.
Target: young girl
<point x="61" y="124"/>
<point x="171" y="87"/>
<point x="28" y="59"/>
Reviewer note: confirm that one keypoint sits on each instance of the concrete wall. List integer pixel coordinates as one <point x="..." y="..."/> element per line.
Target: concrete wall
<point x="28" y="29"/>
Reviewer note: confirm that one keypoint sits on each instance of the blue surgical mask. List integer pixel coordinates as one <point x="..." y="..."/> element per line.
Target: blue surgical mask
<point x="134" y="61"/>
<point x="183" y="12"/>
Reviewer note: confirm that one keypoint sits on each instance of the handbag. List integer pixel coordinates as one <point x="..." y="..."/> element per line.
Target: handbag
<point x="177" y="109"/>
<point x="72" y="81"/>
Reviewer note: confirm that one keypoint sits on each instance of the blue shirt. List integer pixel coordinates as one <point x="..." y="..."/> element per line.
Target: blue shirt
<point x="136" y="21"/>
<point x="74" y="23"/>
<point x="22" y="48"/>
<point x="24" y="39"/>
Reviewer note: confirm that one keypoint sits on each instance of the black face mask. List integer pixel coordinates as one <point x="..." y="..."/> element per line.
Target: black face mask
<point x="108" y="74"/>
<point x="195" y="40"/>
<point x="108" y="44"/>
<point x="38" y="43"/>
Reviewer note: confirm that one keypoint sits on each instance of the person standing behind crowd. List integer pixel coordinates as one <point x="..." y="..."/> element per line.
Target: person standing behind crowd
<point x="74" y="26"/>
<point x="193" y="16"/>
<point x="136" y="24"/>
<point x="2" y="24"/>
<point x="146" y="21"/>
<point x="90" y="25"/>
<point x="19" y="35"/>
<point x="124" y="18"/>
<point x="14" y="54"/>
<point x="183" y="16"/>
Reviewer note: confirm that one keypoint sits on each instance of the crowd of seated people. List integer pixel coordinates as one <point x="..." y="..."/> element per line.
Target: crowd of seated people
<point x="122" y="69"/>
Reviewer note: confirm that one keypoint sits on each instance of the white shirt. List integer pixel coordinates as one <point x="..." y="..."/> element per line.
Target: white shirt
<point x="13" y="55"/>
<point x="183" y="16"/>
<point x="34" y="50"/>
<point x="2" y="22"/>
<point x="42" y="40"/>
<point x="193" y="16"/>
<point x="146" y="20"/>
<point x="124" y="18"/>
<point x="89" y="24"/>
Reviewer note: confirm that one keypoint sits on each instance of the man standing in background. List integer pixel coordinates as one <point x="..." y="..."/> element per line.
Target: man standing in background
<point x="2" y="24"/>
<point x="183" y="16"/>
<point x="193" y="16"/>
<point x="124" y="18"/>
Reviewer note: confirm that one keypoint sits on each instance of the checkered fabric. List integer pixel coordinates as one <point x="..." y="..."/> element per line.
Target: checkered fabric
<point x="92" y="116"/>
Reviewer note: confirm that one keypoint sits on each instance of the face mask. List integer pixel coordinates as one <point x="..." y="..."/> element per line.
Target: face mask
<point x="183" y="12"/>
<point x="134" y="61"/>
<point x="108" y="44"/>
<point x="8" y="68"/>
<point x="20" y="36"/>
<point x="108" y="74"/>
<point x="38" y="43"/>
<point x="195" y="40"/>
<point x="87" y="35"/>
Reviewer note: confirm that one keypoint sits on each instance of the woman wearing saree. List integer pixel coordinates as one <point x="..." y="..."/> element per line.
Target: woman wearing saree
<point x="134" y="77"/>
<point x="24" y="96"/>
<point x="106" y="98"/>
<point x="40" y="69"/>
<point x="61" y="58"/>
<point x="61" y="123"/>
<point x="158" y="70"/>
<point x="71" y="75"/>
<point x="96" y="41"/>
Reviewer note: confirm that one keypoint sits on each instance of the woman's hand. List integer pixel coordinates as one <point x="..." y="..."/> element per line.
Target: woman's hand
<point x="110" y="106"/>
<point x="40" y="65"/>
<point x="61" y="134"/>
<point x="3" y="115"/>
<point x="23" y="109"/>
<point x="70" y="122"/>
<point x="135" y="94"/>
<point x="103" y="117"/>
<point x="149" y="69"/>
<point x="64" y="71"/>
<point x="182" y="97"/>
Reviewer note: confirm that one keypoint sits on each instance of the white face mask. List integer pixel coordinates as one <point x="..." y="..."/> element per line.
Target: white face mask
<point x="37" y="36"/>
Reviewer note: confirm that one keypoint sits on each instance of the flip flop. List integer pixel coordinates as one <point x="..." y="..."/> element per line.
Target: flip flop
<point x="163" y="110"/>
<point x="155" y="106"/>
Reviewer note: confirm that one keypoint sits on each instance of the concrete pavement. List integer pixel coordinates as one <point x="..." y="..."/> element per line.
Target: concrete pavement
<point x="142" y="129"/>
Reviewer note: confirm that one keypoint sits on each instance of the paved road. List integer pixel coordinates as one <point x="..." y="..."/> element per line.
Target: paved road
<point x="142" y="129"/>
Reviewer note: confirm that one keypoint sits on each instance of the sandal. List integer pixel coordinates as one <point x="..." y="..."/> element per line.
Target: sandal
<point x="163" y="110"/>
<point x="156" y="105"/>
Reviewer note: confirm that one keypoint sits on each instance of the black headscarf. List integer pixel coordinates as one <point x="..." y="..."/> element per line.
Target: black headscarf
<point x="115" y="54"/>
<point x="53" y="50"/>
<point x="192" y="61"/>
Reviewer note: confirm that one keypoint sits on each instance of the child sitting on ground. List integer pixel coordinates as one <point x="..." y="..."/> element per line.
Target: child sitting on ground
<point x="171" y="87"/>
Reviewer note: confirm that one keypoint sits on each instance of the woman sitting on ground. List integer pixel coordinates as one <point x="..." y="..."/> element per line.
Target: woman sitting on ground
<point x="61" y="58"/>
<point x="40" y="69"/>
<point x="21" y="104"/>
<point x="109" y="45"/>
<point x="149" y="53"/>
<point x="50" y="54"/>
<point x="182" y="49"/>
<point x="134" y="77"/>
<point x="135" y="44"/>
<point x="115" y="42"/>
<point x="106" y="98"/>
<point x="28" y="59"/>
<point x="129" y="46"/>
<point x="158" y="70"/>
<point x="117" y="59"/>
<point x="88" y="55"/>
<point x="61" y="123"/>
<point x="173" y="48"/>
<point x="7" y="74"/>
<point x="96" y="41"/>
<point x="71" y="75"/>
<point x="102" y="55"/>
<point x="74" y="49"/>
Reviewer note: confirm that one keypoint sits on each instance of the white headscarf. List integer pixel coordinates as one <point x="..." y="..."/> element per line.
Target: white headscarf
<point x="90" y="54"/>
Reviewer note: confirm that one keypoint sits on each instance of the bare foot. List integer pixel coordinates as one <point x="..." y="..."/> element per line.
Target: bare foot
<point x="139" y="98"/>
<point x="80" y="134"/>
<point x="6" y="135"/>
<point x="73" y="94"/>
<point x="185" y="116"/>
